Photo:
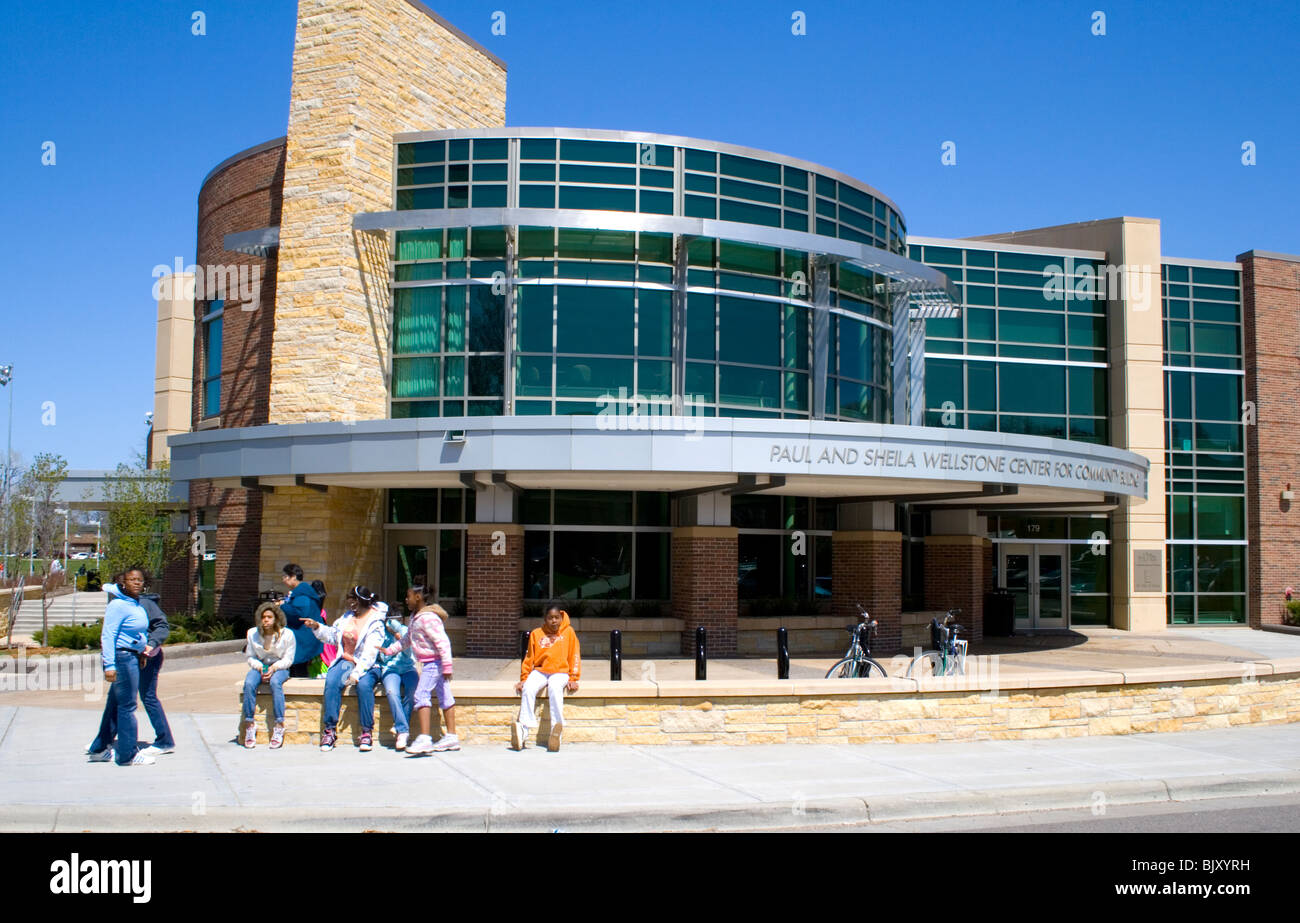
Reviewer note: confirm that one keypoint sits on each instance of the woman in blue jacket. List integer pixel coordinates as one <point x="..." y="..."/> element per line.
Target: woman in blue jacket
<point x="302" y="603"/>
<point x="123" y="640"/>
<point x="101" y="748"/>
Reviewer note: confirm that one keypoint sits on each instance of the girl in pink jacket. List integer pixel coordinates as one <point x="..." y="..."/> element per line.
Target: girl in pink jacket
<point x="427" y="640"/>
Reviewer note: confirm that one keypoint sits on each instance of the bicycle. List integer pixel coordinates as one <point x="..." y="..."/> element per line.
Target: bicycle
<point x="949" y="655"/>
<point x="857" y="662"/>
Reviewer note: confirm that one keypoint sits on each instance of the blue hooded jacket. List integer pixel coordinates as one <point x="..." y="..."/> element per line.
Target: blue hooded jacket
<point x="126" y="625"/>
<point x="303" y="603"/>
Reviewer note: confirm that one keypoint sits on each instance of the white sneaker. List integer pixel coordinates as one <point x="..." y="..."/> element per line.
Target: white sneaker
<point x="103" y="756"/>
<point x="401" y="741"/>
<point x="518" y="736"/>
<point x="423" y="746"/>
<point x="553" y="742"/>
<point x="447" y="742"/>
<point x="142" y="759"/>
<point x="155" y="750"/>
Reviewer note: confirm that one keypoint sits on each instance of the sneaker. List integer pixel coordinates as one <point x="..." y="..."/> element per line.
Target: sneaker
<point x="518" y="736"/>
<point x="250" y="735"/>
<point x="277" y="737"/>
<point x="327" y="739"/>
<point x="155" y="750"/>
<point x="141" y="759"/>
<point x="366" y="743"/>
<point x="553" y="742"/>
<point x="422" y="746"/>
<point x="401" y="741"/>
<point x="103" y="756"/>
<point x="447" y="742"/>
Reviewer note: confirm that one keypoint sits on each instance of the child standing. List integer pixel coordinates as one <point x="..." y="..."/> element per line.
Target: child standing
<point x="427" y="638"/>
<point x="554" y="661"/>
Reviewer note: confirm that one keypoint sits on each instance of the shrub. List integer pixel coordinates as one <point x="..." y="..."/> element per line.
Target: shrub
<point x="577" y="608"/>
<point x="645" y="609"/>
<point x="610" y="609"/>
<point x="1293" y="611"/>
<point x="71" y="637"/>
<point x="199" y="627"/>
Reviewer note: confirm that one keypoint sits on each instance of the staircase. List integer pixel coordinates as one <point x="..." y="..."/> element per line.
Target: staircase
<point x="69" y="609"/>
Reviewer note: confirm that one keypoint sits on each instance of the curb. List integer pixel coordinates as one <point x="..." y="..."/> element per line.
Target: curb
<point x="722" y="817"/>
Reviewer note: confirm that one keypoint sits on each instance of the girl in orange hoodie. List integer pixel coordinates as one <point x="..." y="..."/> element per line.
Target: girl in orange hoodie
<point x="554" y="662"/>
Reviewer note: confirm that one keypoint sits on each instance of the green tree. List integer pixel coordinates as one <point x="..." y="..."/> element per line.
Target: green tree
<point x="136" y="528"/>
<point x="39" y="484"/>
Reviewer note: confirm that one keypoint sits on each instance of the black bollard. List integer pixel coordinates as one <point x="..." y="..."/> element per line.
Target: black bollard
<point x="523" y="645"/>
<point x="782" y="654"/>
<point x="615" y="655"/>
<point x="701" y="655"/>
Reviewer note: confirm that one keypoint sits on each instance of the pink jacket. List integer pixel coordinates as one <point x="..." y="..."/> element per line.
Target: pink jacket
<point x="427" y="638"/>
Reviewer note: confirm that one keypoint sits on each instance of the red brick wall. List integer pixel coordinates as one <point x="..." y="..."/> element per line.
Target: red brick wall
<point x="237" y="543"/>
<point x="1271" y="316"/>
<point x="867" y="569"/>
<point x="242" y="196"/>
<point x="704" y="587"/>
<point x="494" y="591"/>
<point x="955" y="573"/>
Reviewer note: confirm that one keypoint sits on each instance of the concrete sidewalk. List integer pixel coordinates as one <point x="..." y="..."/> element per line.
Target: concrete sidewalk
<point x="213" y="784"/>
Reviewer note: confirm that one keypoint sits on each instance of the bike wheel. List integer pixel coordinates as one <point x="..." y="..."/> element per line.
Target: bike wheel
<point x="872" y="670"/>
<point x="925" y="666"/>
<point x="843" y="669"/>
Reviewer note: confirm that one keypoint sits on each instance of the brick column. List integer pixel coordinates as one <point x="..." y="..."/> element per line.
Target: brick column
<point x="867" y="569"/>
<point x="494" y="589"/>
<point x="955" y="572"/>
<point x="704" y="586"/>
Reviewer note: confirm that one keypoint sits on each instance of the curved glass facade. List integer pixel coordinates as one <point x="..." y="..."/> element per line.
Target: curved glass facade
<point x="538" y="319"/>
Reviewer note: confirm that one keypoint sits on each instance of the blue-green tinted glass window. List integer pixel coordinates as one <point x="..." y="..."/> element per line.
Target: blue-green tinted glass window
<point x="417" y="320"/>
<point x="856" y="349"/>
<point x="535" y="317"/>
<point x="943" y="383"/>
<point x="654" y="322"/>
<point x="749" y="386"/>
<point x="1032" y="327"/>
<point x="1031" y="388"/>
<point x="486" y="320"/>
<point x="537" y="149"/>
<point x="592" y="376"/>
<point x="700" y="327"/>
<point x="594" y="320"/>
<point x="749" y="331"/>
<point x="212" y="366"/>
<point x="416" y="377"/>
<point x="598" y="151"/>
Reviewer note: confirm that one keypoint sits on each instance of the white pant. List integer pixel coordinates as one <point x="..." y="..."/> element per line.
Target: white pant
<point x="554" y="684"/>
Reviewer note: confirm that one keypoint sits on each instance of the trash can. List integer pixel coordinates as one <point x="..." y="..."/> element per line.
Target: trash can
<point x="999" y="614"/>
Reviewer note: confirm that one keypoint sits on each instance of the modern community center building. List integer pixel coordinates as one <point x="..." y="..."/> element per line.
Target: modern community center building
<point x="681" y="383"/>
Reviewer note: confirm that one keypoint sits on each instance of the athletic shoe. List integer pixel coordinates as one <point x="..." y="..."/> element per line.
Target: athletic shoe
<point x="250" y="735"/>
<point x="277" y="737"/>
<point x="366" y="744"/>
<point x="422" y="746"/>
<point x="103" y="756"/>
<point x="447" y="742"/>
<point x="141" y="759"/>
<point x="553" y="742"/>
<point x="401" y="741"/>
<point x="155" y="750"/>
<point x="518" y="736"/>
<point x="327" y="739"/>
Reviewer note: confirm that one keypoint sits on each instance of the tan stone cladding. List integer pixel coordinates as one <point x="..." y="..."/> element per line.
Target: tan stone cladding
<point x="363" y="70"/>
<point x="812" y="712"/>
<point x="335" y="536"/>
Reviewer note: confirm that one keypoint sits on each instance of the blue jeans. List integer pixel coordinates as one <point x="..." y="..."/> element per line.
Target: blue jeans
<point x="334" y="695"/>
<point x="162" y="731"/>
<point x="399" y="689"/>
<point x="252" y="681"/>
<point x="125" y="688"/>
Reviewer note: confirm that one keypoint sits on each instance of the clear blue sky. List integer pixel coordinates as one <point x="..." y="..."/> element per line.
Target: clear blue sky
<point x="1052" y="124"/>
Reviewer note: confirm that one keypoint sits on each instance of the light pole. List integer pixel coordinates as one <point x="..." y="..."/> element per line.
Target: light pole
<point x="6" y="379"/>
<point x="65" y="534"/>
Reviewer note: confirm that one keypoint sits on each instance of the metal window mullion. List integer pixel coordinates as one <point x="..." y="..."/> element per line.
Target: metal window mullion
<point x="821" y="328"/>
<point x="680" y="270"/>
<point x="511" y="322"/>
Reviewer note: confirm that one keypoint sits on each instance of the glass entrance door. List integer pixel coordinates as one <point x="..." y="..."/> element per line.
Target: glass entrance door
<point x="411" y="559"/>
<point x="1035" y="575"/>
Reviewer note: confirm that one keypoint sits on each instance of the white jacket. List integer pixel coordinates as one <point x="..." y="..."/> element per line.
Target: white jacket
<point x="370" y="638"/>
<point x="278" y="655"/>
